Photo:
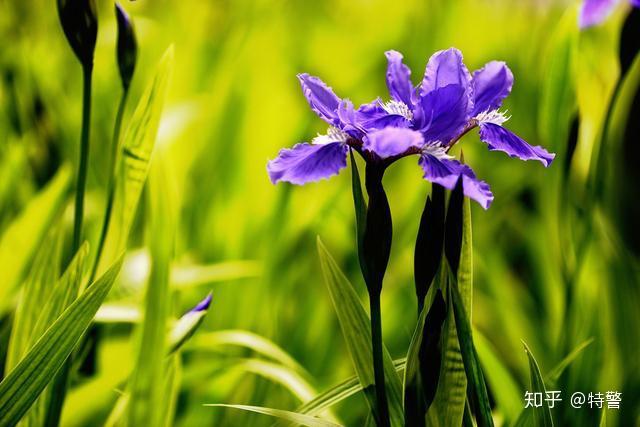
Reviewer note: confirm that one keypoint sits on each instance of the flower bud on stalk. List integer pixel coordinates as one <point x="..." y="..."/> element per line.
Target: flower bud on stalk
<point x="376" y="244"/>
<point x="127" y="51"/>
<point x="429" y="242"/>
<point x="80" y="25"/>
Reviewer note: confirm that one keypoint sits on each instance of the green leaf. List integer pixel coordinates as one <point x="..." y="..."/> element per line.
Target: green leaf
<point x="146" y="386"/>
<point x="33" y="296"/>
<point x="360" y="206"/>
<point x="555" y="373"/>
<point x="471" y="363"/>
<point x="23" y="236"/>
<point x="339" y="392"/>
<point x="137" y="145"/>
<point x="424" y="362"/>
<point x="24" y="384"/>
<point x="356" y="329"/>
<point x="305" y="420"/>
<point x="504" y="387"/>
<point x="542" y="415"/>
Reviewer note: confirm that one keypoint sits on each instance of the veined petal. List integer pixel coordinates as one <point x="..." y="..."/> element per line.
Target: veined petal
<point x="321" y="98"/>
<point x="491" y="85"/>
<point x="374" y="116"/>
<point x="444" y="112"/>
<point x="398" y="78"/>
<point x="392" y="141"/>
<point x="501" y="139"/>
<point x="445" y="68"/>
<point x="593" y="12"/>
<point x="308" y="162"/>
<point x="446" y="172"/>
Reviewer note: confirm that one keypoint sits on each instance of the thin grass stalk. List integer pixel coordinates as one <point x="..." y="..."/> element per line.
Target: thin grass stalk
<point x="113" y="161"/>
<point x="84" y="157"/>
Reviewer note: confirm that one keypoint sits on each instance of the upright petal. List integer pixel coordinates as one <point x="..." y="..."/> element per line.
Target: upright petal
<point x="398" y="78"/>
<point x="373" y="116"/>
<point x="308" y="162"/>
<point x="444" y="68"/>
<point x="392" y="141"/>
<point x="593" y="12"/>
<point x="501" y="139"/>
<point x="444" y="113"/>
<point x="321" y="98"/>
<point x="491" y="84"/>
<point x="446" y="172"/>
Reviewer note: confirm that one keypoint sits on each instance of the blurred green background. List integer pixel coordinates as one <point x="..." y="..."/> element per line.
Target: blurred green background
<point x="551" y="266"/>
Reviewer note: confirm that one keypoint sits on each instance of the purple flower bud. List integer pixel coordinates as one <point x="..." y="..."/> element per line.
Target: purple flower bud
<point x="127" y="50"/>
<point x="202" y="305"/>
<point x="80" y="25"/>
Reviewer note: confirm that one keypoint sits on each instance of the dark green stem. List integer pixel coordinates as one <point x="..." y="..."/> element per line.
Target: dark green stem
<point x="382" y="415"/>
<point x="81" y="183"/>
<point x="113" y="161"/>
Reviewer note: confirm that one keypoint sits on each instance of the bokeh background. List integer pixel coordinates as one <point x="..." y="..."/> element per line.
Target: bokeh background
<point x="554" y="265"/>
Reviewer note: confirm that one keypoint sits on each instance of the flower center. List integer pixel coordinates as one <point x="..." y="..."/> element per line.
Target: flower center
<point x="399" y="108"/>
<point x="436" y="149"/>
<point x="495" y="117"/>
<point x="333" y="135"/>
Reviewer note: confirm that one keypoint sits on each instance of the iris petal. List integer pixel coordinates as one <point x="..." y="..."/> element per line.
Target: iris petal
<point x="501" y="139"/>
<point x="593" y="12"/>
<point x="321" y="98"/>
<point x="308" y="162"/>
<point x="444" y="68"/>
<point x="446" y="172"/>
<point x="444" y="113"/>
<point x="398" y="78"/>
<point x="491" y="84"/>
<point x="392" y="141"/>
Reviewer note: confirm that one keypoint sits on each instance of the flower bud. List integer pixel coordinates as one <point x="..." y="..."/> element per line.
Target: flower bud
<point x="127" y="50"/>
<point x="187" y="325"/>
<point x="80" y="25"/>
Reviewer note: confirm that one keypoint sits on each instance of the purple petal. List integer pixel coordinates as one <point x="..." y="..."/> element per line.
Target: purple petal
<point x="443" y="114"/>
<point x="635" y="3"/>
<point x="372" y="116"/>
<point x="308" y="162"/>
<point x="398" y="78"/>
<point x="501" y="139"/>
<point x="202" y="305"/>
<point x="445" y="68"/>
<point x="491" y="84"/>
<point x="446" y="172"/>
<point x="593" y="12"/>
<point x="392" y="141"/>
<point x="321" y="98"/>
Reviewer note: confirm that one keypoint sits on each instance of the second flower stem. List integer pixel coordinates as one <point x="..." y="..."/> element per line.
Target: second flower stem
<point x="81" y="183"/>
<point x="378" y="361"/>
<point x="113" y="161"/>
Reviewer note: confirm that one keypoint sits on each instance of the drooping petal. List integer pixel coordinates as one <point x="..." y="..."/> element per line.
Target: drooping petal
<point x="321" y="98"/>
<point x="444" y="113"/>
<point x="444" y="68"/>
<point x="593" y="12"/>
<point x="491" y="84"/>
<point x="446" y="172"/>
<point x="392" y="141"/>
<point x="501" y="139"/>
<point x="398" y="78"/>
<point x="308" y="162"/>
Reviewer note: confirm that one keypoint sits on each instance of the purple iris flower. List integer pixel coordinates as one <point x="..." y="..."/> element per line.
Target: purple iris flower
<point x="426" y="121"/>
<point x="594" y="12"/>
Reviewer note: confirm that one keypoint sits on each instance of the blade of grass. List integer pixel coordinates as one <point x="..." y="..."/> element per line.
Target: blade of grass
<point x="356" y="329"/>
<point x="24" y="384"/>
<point x="22" y="237"/>
<point x="305" y="420"/>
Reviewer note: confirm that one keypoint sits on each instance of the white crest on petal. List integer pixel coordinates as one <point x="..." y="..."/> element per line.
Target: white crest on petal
<point x="399" y="108"/>
<point x="436" y="149"/>
<point x="495" y="116"/>
<point x="333" y="135"/>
